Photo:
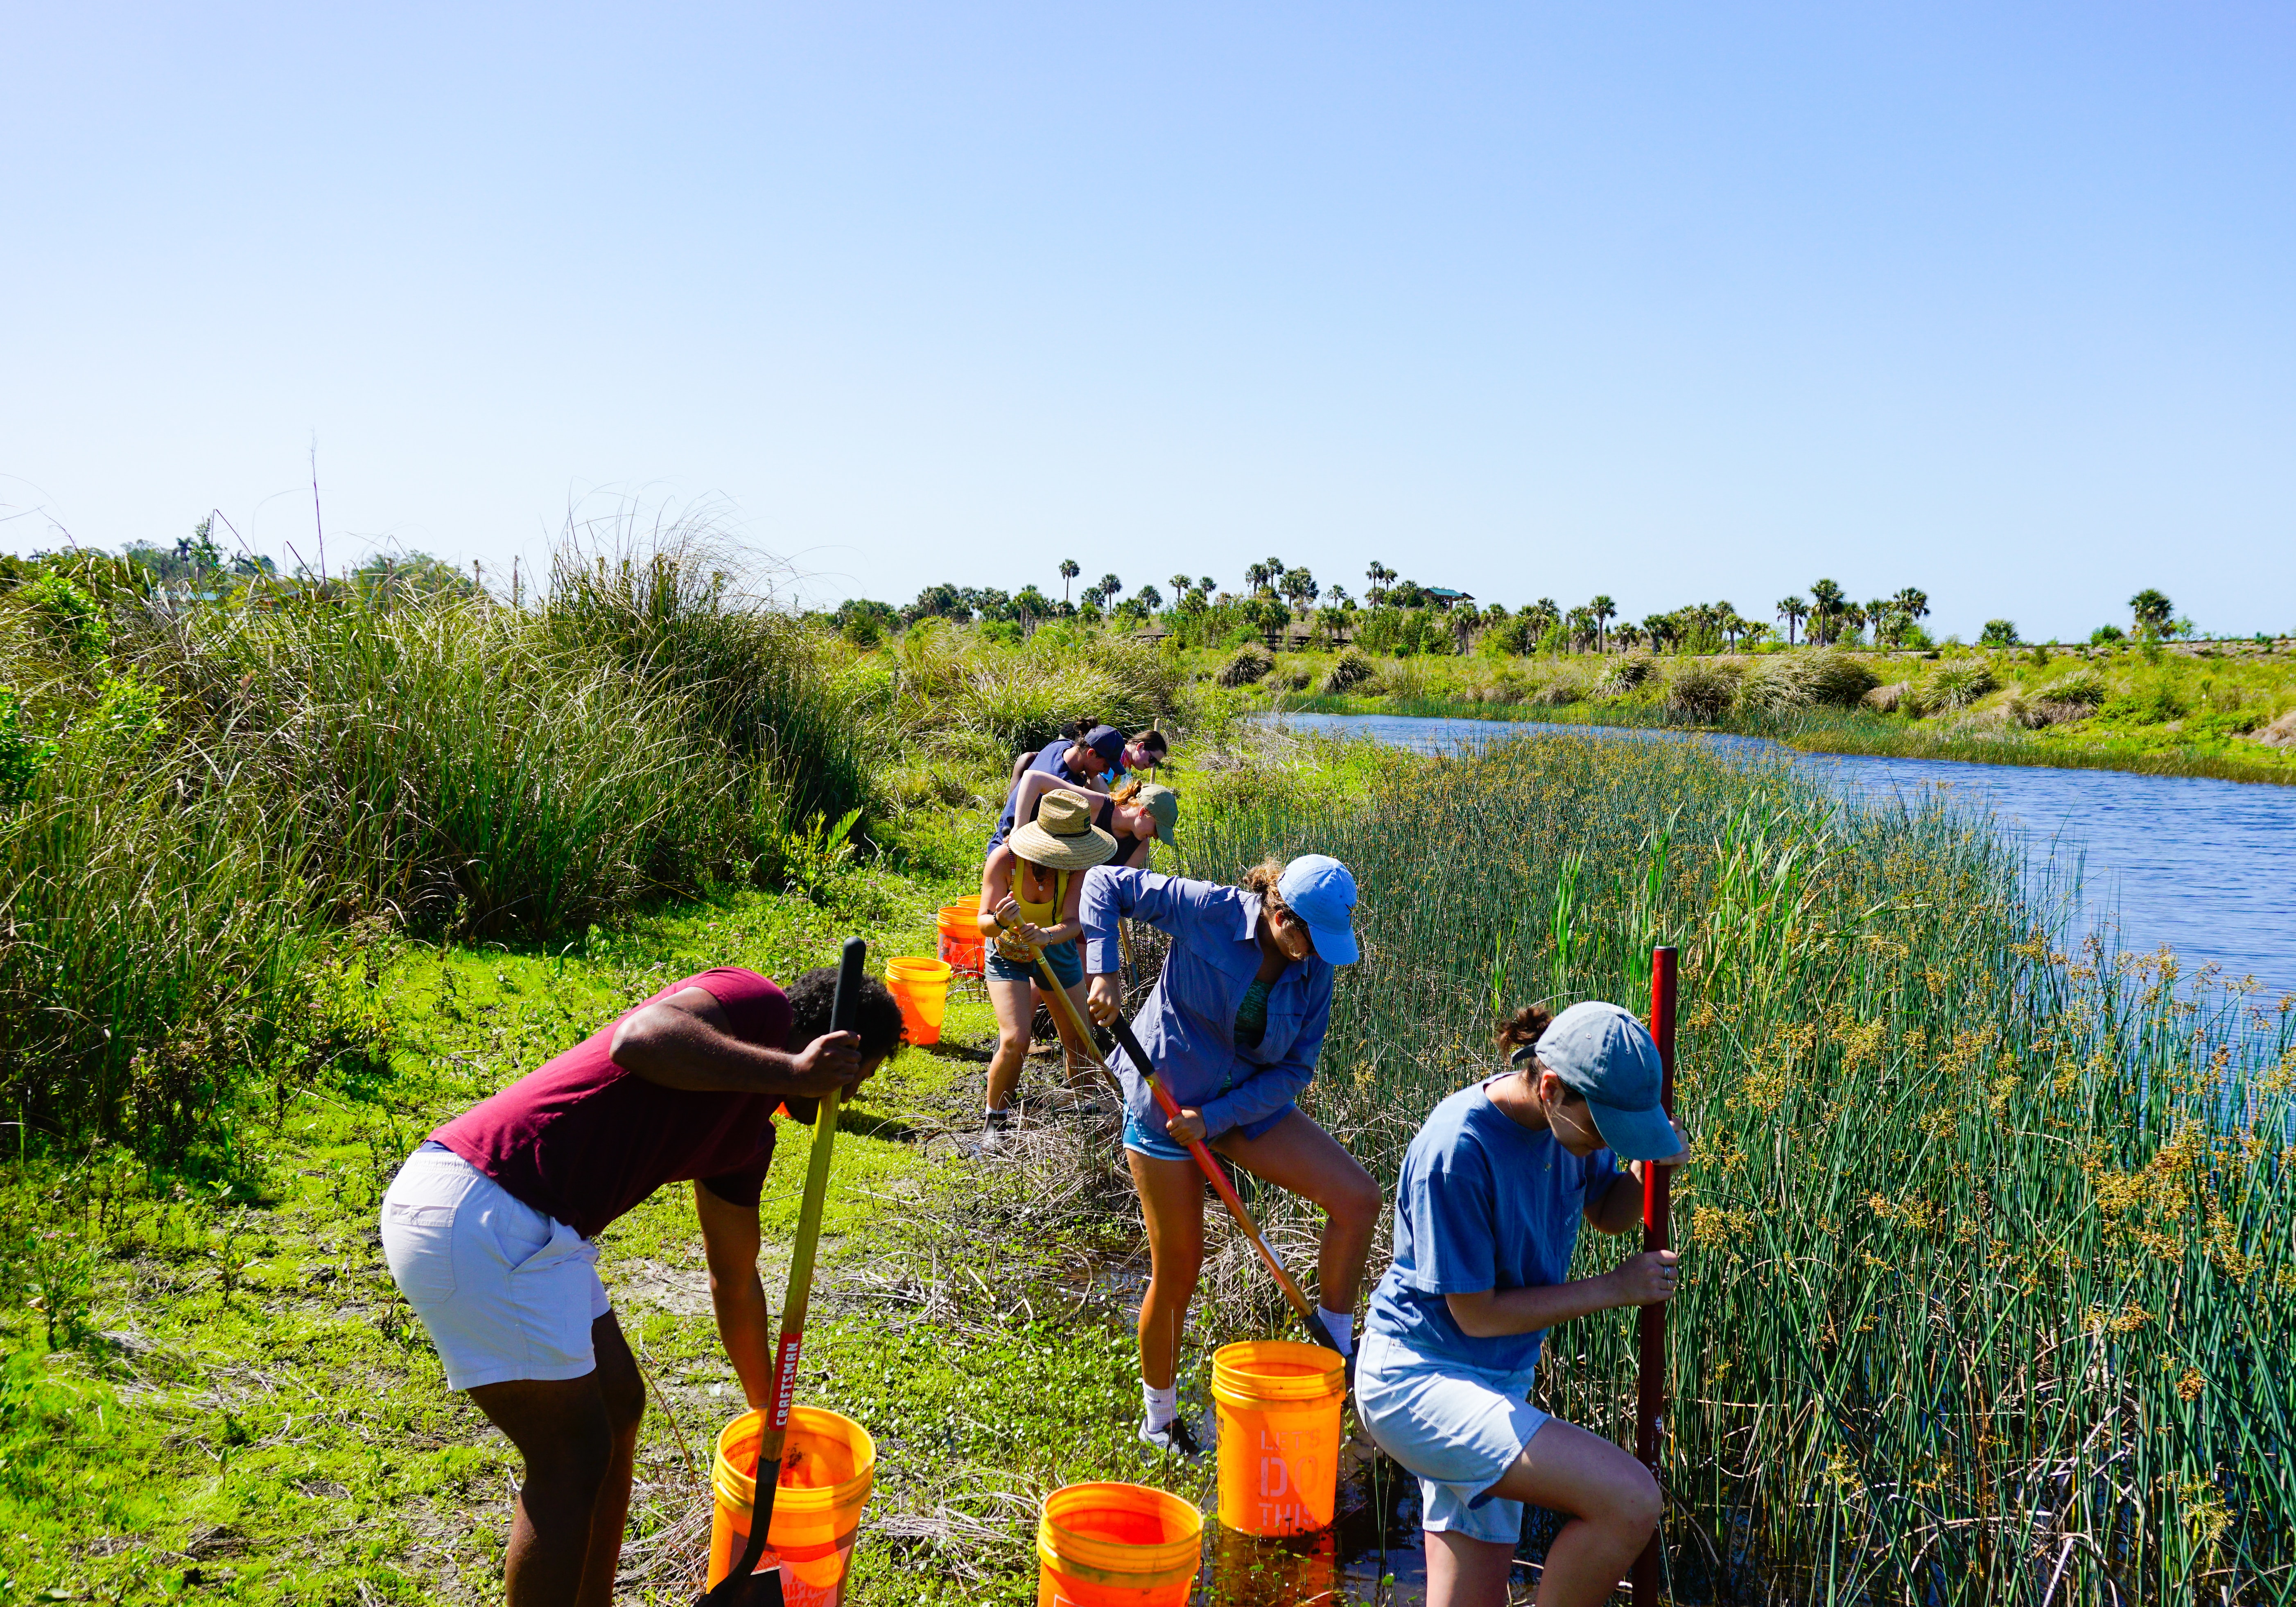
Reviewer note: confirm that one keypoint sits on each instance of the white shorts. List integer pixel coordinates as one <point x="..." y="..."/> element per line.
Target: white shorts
<point x="1458" y="1428"/>
<point x="505" y="1291"/>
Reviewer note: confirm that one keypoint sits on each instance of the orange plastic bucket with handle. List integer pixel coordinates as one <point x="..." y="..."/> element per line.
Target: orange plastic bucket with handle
<point x="1116" y="1546"/>
<point x="920" y="985"/>
<point x="1279" y="1435"/>
<point x="828" y="1463"/>
<point x="960" y="935"/>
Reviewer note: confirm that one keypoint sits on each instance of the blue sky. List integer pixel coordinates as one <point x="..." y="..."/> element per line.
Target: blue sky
<point x="1673" y="302"/>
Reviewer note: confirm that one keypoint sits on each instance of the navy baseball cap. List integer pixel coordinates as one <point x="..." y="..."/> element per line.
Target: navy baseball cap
<point x="1603" y="1054"/>
<point x="1107" y="742"/>
<point x="1319" y="889"/>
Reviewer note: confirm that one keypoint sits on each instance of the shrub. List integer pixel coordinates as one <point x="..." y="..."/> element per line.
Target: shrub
<point x="1829" y="678"/>
<point x="2084" y="687"/>
<point x="1352" y="669"/>
<point x="1957" y="685"/>
<point x="1249" y="664"/>
<point x="1559" y="691"/>
<point x="1625" y="674"/>
<point x="1890" y="699"/>
<point x="1702" y="690"/>
<point x="1998" y="633"/>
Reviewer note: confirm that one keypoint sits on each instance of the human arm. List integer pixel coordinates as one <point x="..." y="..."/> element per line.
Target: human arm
<point x="1618" y="1208"/>
<point x="1642" y="1280"/>
<point x="1277" y="1084"/>
<point x="1173" y="904"/>
<point x="687" y="1041"/>
<point x="730" y="1240"/>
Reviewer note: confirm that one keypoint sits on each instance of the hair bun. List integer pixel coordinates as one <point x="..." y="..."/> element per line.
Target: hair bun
<point x="1525" y="1026"/>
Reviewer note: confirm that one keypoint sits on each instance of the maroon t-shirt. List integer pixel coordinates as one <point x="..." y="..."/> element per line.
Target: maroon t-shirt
<point x="582" y="1140"/>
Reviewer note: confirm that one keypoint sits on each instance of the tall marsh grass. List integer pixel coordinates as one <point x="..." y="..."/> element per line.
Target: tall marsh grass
<point x="206" y="796"/>
<point x="1990" y="1285"/>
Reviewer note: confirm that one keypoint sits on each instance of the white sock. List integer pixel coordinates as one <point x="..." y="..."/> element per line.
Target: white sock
<point x="1163" y="1405"/>
<point x="1341" y="1325"/>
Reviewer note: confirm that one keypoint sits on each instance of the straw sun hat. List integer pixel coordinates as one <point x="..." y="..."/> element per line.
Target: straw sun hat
<point x="1062" y="837"/>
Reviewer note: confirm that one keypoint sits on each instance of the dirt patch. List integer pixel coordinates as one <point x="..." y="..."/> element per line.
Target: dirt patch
<point x="2281" y="732"/>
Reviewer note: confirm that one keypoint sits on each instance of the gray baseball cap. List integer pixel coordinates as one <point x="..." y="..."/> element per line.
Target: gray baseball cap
<point x="1602" y="1053"/>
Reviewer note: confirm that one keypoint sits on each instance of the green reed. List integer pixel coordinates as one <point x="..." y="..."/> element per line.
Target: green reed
<point x="1991" y="1289"/>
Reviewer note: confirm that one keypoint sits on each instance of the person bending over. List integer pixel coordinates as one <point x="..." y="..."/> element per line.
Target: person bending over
<point x="1487" y="1215"/>
<point x="1084" y="762"/>
<point x="1134" y="813"/>
<point x="1030" y="890"/>
<point x="490" y="1230"/>
<point x="1233" y="1025"/>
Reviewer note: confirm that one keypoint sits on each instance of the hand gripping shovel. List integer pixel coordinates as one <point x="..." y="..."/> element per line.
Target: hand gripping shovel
<point x="744" y="1586"/>
<point x="1213" y="1174"/>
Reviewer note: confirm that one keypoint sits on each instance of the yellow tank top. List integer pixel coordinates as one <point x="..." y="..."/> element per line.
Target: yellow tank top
<point x="1036" y="914"/>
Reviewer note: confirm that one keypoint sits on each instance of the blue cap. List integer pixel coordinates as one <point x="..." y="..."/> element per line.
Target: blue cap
<point x="1106" y="741"/>
<point x="1604" y="1054"/>
<point x="1318" y="889"/>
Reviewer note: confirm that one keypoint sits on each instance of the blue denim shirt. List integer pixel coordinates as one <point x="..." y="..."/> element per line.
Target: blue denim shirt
<point x="1188" y="1024"/>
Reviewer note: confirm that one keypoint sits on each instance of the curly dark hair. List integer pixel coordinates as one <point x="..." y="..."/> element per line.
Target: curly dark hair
<point x="878" y="1021"/>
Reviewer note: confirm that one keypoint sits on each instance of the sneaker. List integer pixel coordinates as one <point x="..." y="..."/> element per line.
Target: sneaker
<point x="1175" y="1439"/>
<point x="996" y="1126"/>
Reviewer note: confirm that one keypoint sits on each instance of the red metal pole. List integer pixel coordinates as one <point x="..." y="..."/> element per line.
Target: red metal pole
<point x="1650" y="1392"/>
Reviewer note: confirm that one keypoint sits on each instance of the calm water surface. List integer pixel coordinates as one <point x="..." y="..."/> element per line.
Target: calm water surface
<point x="2206" y="867"/>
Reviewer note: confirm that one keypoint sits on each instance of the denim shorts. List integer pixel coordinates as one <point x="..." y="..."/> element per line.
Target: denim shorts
<point x="1457" y="1428"/>
<point x="1065" y="959"/>
<point x="1142" y="1140"/>
<point x="505" y="1291"/>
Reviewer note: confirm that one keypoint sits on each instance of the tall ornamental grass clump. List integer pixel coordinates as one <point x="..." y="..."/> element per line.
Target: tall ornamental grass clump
<point x="1990" y="1288"/>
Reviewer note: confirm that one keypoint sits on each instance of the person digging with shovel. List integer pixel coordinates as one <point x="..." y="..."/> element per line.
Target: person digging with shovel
<point x="489" y="1230"/>
<point x="1234" y="1026"/>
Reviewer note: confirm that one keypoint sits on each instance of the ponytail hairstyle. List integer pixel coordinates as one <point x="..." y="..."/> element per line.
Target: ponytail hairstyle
<point x="1520" y="1031"/>
<point x="1262" y="879"/>
<point x="1127" y="789"/>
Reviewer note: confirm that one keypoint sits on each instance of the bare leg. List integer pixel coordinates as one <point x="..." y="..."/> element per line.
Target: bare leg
<point x="1172" y="1202"/>
<point x="1082" y="1076"/>
<point x="1613" y="1505"/>
<point x="1297" y="1155"/>
<point x="577" y="1437"/>
<point x="1016" y="1002"/>
<point x="1462" y="1572"/>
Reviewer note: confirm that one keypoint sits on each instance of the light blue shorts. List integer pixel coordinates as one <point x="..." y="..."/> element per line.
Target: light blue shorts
<point x="1457" y="1428"/>
<point x="1158" y="1145"/>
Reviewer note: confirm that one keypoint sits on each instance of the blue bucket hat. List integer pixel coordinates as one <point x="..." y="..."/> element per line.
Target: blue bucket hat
<point x="1604" y="1054"/>
<point x="1319" y="889"/>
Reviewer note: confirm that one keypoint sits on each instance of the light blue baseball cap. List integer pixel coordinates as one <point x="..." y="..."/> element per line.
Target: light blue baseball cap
<point x="1604" y="1054"/>
<point x="1321" y="891"/>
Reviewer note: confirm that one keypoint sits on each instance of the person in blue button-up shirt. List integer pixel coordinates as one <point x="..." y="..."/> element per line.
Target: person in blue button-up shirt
<point x="1232" y="1026"/>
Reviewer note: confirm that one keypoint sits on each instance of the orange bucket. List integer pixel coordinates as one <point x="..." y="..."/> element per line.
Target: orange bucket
<point x="1279" y="1435"/>
<point x="920" y="985"/>
<point x="960" y="935"/>
<point x="1116" y="1546"/>
<point x="828" y="1463"/>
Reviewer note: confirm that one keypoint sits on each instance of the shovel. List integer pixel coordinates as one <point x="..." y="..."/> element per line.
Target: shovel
<point x="744" y="1586"/>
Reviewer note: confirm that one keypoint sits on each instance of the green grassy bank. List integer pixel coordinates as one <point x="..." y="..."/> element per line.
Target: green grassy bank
<point x="2226" y="713"/>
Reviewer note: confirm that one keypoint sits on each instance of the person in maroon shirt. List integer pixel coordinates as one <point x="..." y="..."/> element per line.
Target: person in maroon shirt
<point x="489" y="1230"/>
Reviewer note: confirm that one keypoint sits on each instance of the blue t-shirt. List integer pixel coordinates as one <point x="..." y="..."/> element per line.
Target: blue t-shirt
<point x="1484" y="1202"/>
<point x="1052" y="760"/>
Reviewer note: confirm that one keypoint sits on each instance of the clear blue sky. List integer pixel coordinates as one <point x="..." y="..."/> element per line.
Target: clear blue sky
<point x="1671" y="301"/>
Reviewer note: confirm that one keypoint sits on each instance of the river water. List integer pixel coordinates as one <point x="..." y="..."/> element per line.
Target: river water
<point x="2206" y="867"/>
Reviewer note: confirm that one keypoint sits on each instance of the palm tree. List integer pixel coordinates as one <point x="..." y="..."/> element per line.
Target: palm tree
<point x="1274" y="571"/>
<point x="1380" y="576"/>
<point x="1204" y="584"/>
<point x="1180" y="585"/>
<point x="1299" y="588"/>
<point x="1793" y="610"/>
<point x="2153" y="611"/>
<point x="1256" y="578"/>
<point x="1824" y="605"/>
<point x="1727" y="621"/>
<point x="1912" y="603"/>
<point x="1109" y="586"/>
<point x="1069" y="571"/>
<point x="1604" y="609"/>
<point x="1149" y="598"/>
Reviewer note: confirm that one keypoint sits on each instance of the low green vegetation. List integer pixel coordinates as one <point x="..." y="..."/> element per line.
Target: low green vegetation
<point x="1991" y="1273"/>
